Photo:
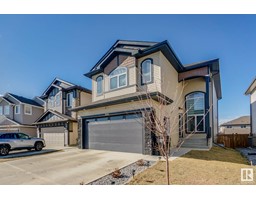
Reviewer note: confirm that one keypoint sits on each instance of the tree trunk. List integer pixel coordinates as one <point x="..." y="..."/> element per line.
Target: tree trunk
<point x="167" y="170"/>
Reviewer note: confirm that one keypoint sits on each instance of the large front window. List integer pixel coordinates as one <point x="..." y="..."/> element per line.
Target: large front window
<point x="195" y="109"/>
<point x="118" y="78"/>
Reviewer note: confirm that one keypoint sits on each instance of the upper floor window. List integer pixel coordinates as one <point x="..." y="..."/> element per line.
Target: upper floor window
<point x="69" y="99"/>
<point x="6" y="110"/>
<point x="57" y="101"/>
<point x="99" y="82"/>
<point x="17" y="109"/>
<point x="28" y="110"/>
<point x="118" y="78"/>
<point x="1" y="110"/>
<point x="195" y="109"/>
<point x="229" y="126"/>
<point x="146" y="71"/>
<point x="51" y="101"/>
<point x="243" y="126"/>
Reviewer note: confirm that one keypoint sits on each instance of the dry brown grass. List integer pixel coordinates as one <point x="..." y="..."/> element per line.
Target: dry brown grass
<point x="215" y="167"/>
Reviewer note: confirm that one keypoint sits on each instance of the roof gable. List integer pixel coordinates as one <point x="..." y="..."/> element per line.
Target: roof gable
<point x="63" y="85"/>
<point x="123" y="47"/>
<point x="251" y="88"/>
<point x="53" y="116"/>
<point x="24" y="100"/>
<point x="4" y="121"/>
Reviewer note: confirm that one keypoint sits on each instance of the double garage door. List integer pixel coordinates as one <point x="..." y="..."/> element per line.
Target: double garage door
<point x="115" y="133"/>
<point x="54" y="137"/>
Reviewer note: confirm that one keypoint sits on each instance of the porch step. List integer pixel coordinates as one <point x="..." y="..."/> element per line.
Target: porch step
<point x="196" y="141"/>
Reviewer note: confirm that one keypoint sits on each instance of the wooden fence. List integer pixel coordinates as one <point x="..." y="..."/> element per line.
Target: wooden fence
<point x="233" y="140"/>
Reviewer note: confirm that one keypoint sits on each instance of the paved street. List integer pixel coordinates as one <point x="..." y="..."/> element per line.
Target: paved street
<point x="70" y="166"/>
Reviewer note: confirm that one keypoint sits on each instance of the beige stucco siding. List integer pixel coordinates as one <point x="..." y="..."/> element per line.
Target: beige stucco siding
<point x="112" y="109"/>
<point x="85" y="98"/>
<point x="129" y="63"/>
<point x="73" y="135"/>
<point x="197" y="84"/>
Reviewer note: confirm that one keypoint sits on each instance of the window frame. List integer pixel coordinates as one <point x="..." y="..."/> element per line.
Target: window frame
<point x="151" y="71"/>
<point x="117" y="76"/>
<point x="69" y="99"/>
<point x="7" y="113"/>
<point x="97" y="85"/>
<point x="15" y="111"/>
<point x="30" y="108"/>
<point x="57" y="100"/>
<point x="195" y="115"/>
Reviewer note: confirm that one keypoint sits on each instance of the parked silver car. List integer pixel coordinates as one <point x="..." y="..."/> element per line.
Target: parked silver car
<point x="18" y="141"/>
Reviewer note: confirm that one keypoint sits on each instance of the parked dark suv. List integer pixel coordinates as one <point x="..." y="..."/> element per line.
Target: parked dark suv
<point x="18" y="141"/>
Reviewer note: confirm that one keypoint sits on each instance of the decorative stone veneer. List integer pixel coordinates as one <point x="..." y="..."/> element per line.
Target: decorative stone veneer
<point x="148" y="150"/>
<point x="79" y="132"/>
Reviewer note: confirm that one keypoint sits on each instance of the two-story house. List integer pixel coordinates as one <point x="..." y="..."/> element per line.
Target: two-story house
<point x="114" y="120"/>
<point x="240" y="125"/>
<point x="58" y="125"/>
<point x="18" y="113"/>
<point x="251" y="90"/>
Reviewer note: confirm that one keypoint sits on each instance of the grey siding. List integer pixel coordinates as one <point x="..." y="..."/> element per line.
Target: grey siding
<point x="4" y="103"/>
<point x="30" y="119"/>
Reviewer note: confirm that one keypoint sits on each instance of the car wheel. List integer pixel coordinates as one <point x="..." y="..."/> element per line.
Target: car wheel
<point x="4" y="150"/>
<point x="38" y="146"/>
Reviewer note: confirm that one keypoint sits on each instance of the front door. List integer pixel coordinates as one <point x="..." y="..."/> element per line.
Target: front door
<point x="195" y="123"/>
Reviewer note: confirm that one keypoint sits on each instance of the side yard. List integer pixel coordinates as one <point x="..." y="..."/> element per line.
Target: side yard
<point x="215" y="167"/>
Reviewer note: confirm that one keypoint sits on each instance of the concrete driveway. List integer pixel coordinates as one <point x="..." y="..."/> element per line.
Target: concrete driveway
<point x="70" y="166"/>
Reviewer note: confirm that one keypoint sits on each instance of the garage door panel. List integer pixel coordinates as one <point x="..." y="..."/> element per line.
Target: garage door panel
<point x="54" y="139"/>
<point x="118" y="135"/>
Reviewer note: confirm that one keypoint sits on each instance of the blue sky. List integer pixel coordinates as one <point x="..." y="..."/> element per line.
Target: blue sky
<point x="34" y="49"/>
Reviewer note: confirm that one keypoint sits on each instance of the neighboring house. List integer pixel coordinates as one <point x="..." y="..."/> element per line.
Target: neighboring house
<point x="113" y="121"/>
<point x="58" y="125"/>
<point x="240" y="125"/>
<point x="252" y="92"/>
<point x="18" y="113"/>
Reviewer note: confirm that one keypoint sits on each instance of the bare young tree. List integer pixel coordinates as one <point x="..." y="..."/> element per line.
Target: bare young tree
<point x="161" y="116"/>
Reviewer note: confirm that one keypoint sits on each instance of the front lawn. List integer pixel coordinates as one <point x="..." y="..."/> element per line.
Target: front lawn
<point x="217" y="166"/>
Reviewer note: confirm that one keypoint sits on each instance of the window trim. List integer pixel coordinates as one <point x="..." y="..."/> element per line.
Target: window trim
<point x="100" y="76"/>
<point x="151" y="71"/>
<point x="16" y="106"/>
<point x="118" y="76"/>
<point x="27" y="106"/>
<point x="195" y="115"/>
<point x="71" y="98"/>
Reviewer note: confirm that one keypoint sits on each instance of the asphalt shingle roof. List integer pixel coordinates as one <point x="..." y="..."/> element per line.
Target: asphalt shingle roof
<point x="25" y="100"/>
<point x="244" y="120"/>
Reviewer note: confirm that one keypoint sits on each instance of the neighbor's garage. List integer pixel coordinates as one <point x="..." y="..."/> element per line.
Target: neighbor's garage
<point x="54" y="136"/>
<point x="114" y="133"/>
